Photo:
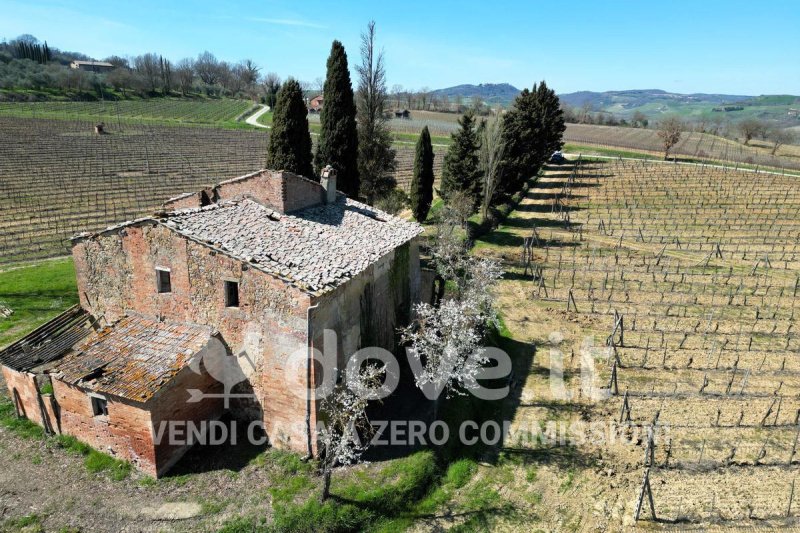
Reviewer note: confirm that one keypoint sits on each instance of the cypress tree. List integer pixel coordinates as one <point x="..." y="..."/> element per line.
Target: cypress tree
<point x="422" y="180"/>
<point x="338" y="137"/>
<point x="289" y="141"/>
<point x="461" y="169"/>
<point x="532" y="130"/>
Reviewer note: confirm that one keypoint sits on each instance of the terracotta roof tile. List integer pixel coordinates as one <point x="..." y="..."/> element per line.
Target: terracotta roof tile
<point x="133" y="358"/>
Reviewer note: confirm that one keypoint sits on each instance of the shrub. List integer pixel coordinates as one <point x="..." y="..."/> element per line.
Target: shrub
<point x="394" y="202"/>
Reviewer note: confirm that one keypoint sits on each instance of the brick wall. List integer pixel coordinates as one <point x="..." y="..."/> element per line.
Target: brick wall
<point x="283" y="191"/>
<point x="301" y="192"/>
<point x="184" y="202"/>
<point x="269" y="325"/>
<point x="126" y="433"/>
<point x="171" y="405"/>
<point x="28" y="393"/>
<point x="265" y="186"/>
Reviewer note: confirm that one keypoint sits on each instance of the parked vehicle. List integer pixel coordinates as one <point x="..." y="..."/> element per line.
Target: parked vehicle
<point x="558" y="158"/>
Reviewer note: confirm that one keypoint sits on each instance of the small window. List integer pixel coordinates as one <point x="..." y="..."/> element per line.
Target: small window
<point x="99" y="406"/>
<point x="162" y="281"/>
<point x="231" y="294"/>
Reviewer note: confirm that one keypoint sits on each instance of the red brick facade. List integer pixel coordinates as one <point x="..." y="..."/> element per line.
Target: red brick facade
<point x="282" y="191"/>
<point x="25" y="394"/>
<point x="129" y="430"/>
<point x="116" y="272"/>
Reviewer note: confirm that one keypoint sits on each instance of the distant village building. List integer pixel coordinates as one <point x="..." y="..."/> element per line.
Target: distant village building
<point x="315" y="104"/>
<point x="92" y="66"/>
<point x="402" y="113"/>
<point x="794" y="112"/>
<point x="251" y="271"/>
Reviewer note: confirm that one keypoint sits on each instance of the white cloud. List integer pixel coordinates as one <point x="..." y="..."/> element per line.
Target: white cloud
<point x="287" y="22"/>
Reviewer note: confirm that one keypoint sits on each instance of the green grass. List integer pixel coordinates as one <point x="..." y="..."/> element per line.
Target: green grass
<point x="385" y="499"/>
<point x="29" y="523"/>
<point x="266" y="118"/>
<point x="35" y="294"/>
<point x="19" y="426"/>
<point x="94" y="461"/>
<point x="610" y="152"/>
<point x="168" y="110"/>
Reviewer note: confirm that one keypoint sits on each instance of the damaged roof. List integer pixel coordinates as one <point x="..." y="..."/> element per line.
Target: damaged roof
<point x="318" y="248"/>
<point x="48" y="342"/>
<point x="133" y="358"/>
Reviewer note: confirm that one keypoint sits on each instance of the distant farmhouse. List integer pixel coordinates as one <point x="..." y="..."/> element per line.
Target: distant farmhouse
<point x="402" y="113"/>
<point x="315" y="104"/>
<point x="252" y="270"/>
<point x="92" y="66"/>
<point x="794" y="112"/>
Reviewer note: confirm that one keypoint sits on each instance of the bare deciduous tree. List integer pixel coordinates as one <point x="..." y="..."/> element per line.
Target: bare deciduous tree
<point x="207" y="68"/>
<point x="669" y="131"/>
<point x="148" y="66"/>
<point x="271" y="84"/>
<point x="184" y="74"/>
<point x="749" y="128"/>
<point x="492" y="152"/>
<point x="639" y="120"/>
<point x="248" y="72"/>
<point x="779" y="137"/>
<point x="376" y="158"/>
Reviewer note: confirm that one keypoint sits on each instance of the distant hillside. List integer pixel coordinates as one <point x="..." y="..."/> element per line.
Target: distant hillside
<point x="655" y="103"/>
<point x="638" y="98"/>
<point x="491" y="93"/>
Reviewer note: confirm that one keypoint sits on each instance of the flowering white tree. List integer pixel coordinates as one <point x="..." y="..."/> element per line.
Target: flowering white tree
<point x="345" y="416"/>
<point x="445" y="341"/>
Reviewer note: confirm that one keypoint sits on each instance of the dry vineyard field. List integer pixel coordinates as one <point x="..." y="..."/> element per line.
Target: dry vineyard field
<point x="684" y="279"/>
<point x="692" y="144"/>
<point x="58" y="178"/>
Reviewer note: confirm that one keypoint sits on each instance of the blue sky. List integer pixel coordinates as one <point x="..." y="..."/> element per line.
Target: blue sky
<point x="733" y="47"/>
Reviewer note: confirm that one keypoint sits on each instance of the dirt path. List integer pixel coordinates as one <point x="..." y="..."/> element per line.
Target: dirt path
<point x="253" y="119"/>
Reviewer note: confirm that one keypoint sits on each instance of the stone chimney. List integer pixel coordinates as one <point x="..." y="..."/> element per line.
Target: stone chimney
<point x="328" y="180"/>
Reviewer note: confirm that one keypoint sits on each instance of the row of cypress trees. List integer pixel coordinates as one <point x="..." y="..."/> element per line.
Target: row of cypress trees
<point x="39" y="53"/>
<point x="289" y="145"/>
<point x="530" y="132"/>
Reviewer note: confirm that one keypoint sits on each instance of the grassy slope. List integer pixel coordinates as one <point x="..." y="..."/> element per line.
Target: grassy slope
<point x="170" y="110"/>
<point x="35" y="293"/>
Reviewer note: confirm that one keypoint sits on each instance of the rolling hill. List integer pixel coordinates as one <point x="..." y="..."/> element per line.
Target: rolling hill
<point x="491" y="93"/>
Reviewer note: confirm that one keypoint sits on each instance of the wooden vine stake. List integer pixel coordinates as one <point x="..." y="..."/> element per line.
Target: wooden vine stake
<point x="625" y="412"/>
<point x="649" y="491"/>
<point x="571" y="300"/>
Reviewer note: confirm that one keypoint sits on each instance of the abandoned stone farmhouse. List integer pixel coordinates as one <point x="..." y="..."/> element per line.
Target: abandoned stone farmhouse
<point x="257" y="268"/>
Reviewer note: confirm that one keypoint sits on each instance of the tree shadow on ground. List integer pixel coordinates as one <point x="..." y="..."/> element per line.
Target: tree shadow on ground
<point x="545" y="208"/>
